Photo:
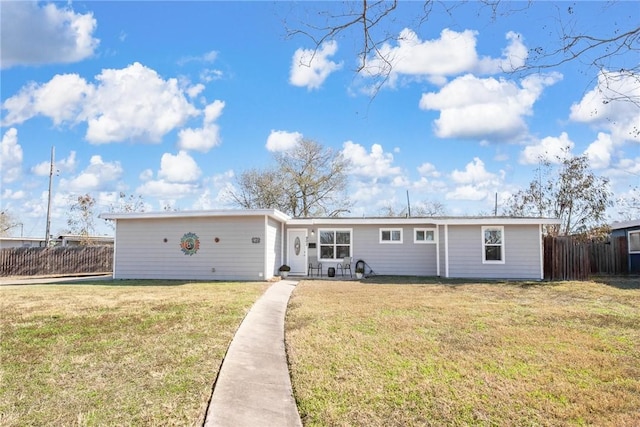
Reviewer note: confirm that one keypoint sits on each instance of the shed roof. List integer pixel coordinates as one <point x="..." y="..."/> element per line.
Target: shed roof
<point x="625" y="224"/>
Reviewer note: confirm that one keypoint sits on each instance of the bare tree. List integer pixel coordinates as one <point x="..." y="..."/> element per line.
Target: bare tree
<point x="7" y="223"/>
<point x="429" y="208"/>
<point x="81" y="219"/>
<point x="308" y="180"/>
<point x="421" y="209"/>
<point x="127" y="203"/>
<point x="572" y="193"/>
<point x="629" y="205"/>
<point x="367" y="22"/>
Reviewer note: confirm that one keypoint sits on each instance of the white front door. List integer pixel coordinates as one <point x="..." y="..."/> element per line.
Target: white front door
<point x="297" y="251"/>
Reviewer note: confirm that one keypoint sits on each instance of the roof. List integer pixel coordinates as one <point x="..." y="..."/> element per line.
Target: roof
<point x="274" y="213"/>
<point x="441" y="220"/>
<point x="625" y="224"/>
<point x="23" y="239"/>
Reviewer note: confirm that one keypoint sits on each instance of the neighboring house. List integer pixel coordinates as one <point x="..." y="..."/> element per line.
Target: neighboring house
<point x="64" y="240"/>
<point x="78" y="240"/>
<point x="21" y="242"/>
<point x="630" y="230"/>
<point x="252" y="244"/>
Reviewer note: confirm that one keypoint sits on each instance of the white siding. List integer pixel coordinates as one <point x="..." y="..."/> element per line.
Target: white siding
<point x="273" y="248"/>
<point x="521" y="253"/>
<point x="407" y="258"/>
<point x="143" y="253"/>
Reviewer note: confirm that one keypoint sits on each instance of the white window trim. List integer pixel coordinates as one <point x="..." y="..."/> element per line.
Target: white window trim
<point x="425" y="242"/>
<point x="319" y="244"/>
<point x="391" y="230"/>
<point x="629" y="233"/>
<point x="502" y="245"/>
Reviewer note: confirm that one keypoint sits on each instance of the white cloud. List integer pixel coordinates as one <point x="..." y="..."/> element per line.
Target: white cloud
<point x="98" y="176"/>
<point x="210" y="56"/>
<point x="474" y="173"/>
<point x="281" y="140"/>
<point x="166" y="190"/>
<point x="133" y="103"/>
<point x="599" y="151"/>
<point x="61" y="99"/>
<point x="208" y="75"/>
<point x="33" y="34"/>
<point x="451" y="54"/>
<point x="67" y="165"/>
<point x="551" y="149"/>
<point x="428" y="169"/>
<point x="179" y="168"/>
<point x="195" y="90"/>
<point x="146" y="175"/>
<point x="310" y="68"/>
<point x="467" y="192"/>
<point x="208" y="136"/>
<point x="9" y="194"/>
<point x="489" y="108"/>
<point x="475" y="182"/>
<point x="376" y="164"/>
<point x="609" y="106"/>
<point x="513" y="57"/>
<point x="11" y="160"/>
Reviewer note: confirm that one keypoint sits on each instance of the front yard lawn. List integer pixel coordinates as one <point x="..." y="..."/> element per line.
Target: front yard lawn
<point x="492" y="354"/>
<point x="115" y="353"/>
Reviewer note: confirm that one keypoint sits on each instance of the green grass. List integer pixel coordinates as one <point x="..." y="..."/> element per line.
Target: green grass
<point x="115" y="353"/>
<point x="430" y="352"/>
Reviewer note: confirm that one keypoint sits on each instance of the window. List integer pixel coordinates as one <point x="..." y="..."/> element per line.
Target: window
<point x="424" y="235"/>
<point x="634" y="242"/>
<point x="391" y="235"/>
<point x="493" y="245"/>
<point x="335" y="244"/>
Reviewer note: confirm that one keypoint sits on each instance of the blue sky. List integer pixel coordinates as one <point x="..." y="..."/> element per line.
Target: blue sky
<point x="172" y="100"/>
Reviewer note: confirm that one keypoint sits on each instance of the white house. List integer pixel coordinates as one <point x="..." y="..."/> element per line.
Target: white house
<point x="252" y="244"/>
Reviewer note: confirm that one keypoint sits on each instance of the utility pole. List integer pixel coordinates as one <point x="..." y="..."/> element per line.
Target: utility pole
<point x="48" y="232"/>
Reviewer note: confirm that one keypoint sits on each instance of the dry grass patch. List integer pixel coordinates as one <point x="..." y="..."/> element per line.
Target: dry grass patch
<point x="465" y="354"/>
<point x="115" y="353"/>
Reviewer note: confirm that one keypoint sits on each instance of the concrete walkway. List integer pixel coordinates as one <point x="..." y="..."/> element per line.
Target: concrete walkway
<point x="253" y="387"/>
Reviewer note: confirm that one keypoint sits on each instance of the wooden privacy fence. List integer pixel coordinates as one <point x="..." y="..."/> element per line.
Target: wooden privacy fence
<point x="56" y="260"/>
<point x="569" y="258"/>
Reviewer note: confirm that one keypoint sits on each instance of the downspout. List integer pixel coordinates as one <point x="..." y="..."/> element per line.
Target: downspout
<point x="266" y="275"/>
<point x="282" y="237"/>
<point x="438" y="250"/>
<point x="446" y="250"/>
<point x="541" y="243"/>
<point x="115" y="250"/>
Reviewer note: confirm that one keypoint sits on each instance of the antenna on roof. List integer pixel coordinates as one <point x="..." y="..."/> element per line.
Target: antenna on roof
<point x="408" y="205"/>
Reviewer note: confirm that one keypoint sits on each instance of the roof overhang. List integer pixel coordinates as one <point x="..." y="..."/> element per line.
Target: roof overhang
<point x="280" y="216"/>
<point x="272" y="213"/>
<point x="625" y="224"/>
<point x="489" y="220"/>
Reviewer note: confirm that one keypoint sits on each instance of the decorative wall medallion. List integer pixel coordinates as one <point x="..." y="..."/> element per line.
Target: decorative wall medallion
<point x="190" y="243"/>
<point x="296" y="246"/>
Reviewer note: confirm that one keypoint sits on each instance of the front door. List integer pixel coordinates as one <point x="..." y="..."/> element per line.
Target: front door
<point x="297" y="251"/>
